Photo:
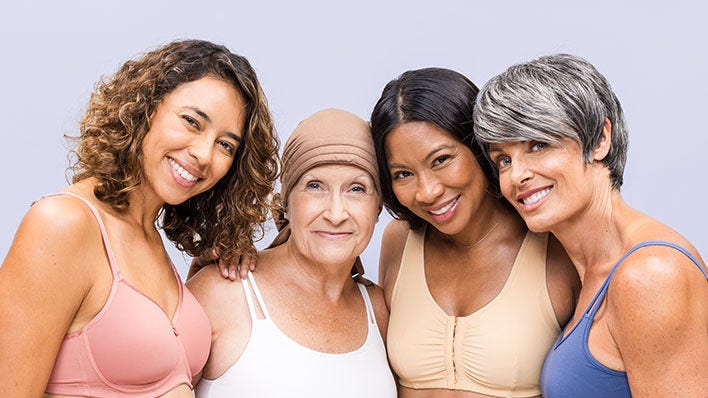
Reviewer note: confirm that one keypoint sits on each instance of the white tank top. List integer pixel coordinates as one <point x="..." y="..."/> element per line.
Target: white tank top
<point x="273" y="365"/>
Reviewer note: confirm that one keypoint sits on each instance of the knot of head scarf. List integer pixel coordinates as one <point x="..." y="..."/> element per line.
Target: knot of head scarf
<point x="330" y="136"/>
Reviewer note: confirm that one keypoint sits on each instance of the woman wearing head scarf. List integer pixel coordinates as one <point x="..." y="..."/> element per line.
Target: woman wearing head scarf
<point x="300" y="325"/>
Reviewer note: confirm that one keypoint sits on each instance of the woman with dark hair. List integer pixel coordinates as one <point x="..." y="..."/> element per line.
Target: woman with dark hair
<point x="180" y="137"/>
<point x="555" y="131"/>
<point x="475" y="298"/>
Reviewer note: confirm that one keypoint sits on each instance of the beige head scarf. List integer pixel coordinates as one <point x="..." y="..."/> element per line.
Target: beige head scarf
<point x="330" y="136"/>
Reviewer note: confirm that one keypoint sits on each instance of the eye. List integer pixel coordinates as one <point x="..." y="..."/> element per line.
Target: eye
<point x="502" y="161"/>
<point x="191" y="121"/>
<point x="313" y="185"/>
<point x="227" y="146"/>
<point x="538" y="146"/>
<point x="440" y="159"/>
<point x="399" y="175"/>
<point x="358" y="188"/>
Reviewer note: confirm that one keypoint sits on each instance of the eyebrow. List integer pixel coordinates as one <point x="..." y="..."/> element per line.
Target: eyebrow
<point x="206" y="117"/>
<point x="493" y="148"/>
<point x="426" y="158"/>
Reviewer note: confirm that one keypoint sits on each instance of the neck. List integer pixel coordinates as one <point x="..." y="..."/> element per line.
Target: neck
<point x="490" y="218"/>
<point x="326" y="279"/>
<point x="595" y="239"/>
<point x="143" y="210"/>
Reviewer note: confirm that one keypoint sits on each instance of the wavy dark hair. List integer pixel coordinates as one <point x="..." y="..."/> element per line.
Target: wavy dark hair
<point x="228" y="216"/>
<point x="442" y="97"/>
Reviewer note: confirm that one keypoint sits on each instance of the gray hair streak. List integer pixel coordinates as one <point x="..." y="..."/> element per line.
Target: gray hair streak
<point x="550" y="98"/>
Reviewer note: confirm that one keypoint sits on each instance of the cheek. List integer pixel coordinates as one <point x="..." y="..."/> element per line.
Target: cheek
<point x="369" y="215"/>
<point x="403" y="192"/>
<point x="506" y="187"/>
<point x="222" y="165"/>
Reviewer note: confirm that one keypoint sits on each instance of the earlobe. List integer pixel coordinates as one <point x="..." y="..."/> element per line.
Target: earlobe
<point x="603" y="146"/>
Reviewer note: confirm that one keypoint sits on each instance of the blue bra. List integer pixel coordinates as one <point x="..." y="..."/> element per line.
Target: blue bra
<point x="570" y="370"/>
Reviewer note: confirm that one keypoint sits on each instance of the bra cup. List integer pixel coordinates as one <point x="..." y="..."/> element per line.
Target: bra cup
<point x="140" y="354"/>
<point x="195" y="332"/>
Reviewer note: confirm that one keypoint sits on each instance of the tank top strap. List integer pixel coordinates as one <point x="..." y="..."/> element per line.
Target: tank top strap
<point x="600" y="295"/>
<point x="411" y="271"/>
<point x="371" y="317"/>
<point x="249" y="297"/>
<point x="530" y="263"/>
<point x="104" y="234"/>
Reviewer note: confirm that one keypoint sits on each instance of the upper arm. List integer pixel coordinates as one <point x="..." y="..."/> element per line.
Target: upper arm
<point x="562" y="281"/>
<point x="392" y="244"/>
<point x="43" y="281"/>
<point x="658" y="317"/>
<point x="224" y="302"/>
<point x="380" y="309"/>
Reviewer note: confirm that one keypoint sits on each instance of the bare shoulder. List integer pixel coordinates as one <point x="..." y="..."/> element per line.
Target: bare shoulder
<point x="664" y="280"/>
<point x="56" y="234"/>
<point x="657" y="304"/>
<point x="562" y="280"/>
<point x="393" y="242"/>
<point x="378" y="302"/>
<point x="376" y="294"/>
<point x="216" y="293"/>
<point x="658" y="273"/>
<point x="225" y="303"/>
<point x="50" y="270"/>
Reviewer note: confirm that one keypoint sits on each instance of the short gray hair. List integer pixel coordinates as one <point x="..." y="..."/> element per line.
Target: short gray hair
<point x="553" y="97"/>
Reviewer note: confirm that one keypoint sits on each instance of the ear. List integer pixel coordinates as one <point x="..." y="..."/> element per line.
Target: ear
<point x="603" y="146"/>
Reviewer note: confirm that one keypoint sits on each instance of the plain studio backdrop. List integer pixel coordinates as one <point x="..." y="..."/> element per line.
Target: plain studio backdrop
<point x="312" y="55"/>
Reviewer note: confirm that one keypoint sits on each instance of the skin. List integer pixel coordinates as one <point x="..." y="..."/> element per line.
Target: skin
<point x="430" y="170"/>
<point x="332" y="212"/>
<point x="190" y="127"/>
<point x="653" y="323"/>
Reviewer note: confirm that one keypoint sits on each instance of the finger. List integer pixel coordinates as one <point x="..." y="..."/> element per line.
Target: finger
<point x="243" y="272"/>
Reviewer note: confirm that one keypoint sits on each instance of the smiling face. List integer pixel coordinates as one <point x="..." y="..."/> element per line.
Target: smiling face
<point x="435" y="176"/>
<point x="548" y="184"/>
<point x="332" y="211"/>
<point x="193" y="137"/>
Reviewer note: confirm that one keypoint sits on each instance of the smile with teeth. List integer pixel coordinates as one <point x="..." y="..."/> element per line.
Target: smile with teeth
<point x="536" y="197"/>
<point x="182" y="172"/>
<point x="444" y="209"/>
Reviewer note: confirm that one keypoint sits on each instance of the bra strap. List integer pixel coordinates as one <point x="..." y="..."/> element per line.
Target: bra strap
<point x="370" y="315"/>
<point x="599" y="296"/>
<point x="104" y="234"/>
<point x="257" y="293"/>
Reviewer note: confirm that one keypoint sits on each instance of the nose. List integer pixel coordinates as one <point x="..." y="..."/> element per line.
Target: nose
<point x="201" y="149"/>
<point x="428" y="188"/>
<point x="519" y="171"/>
<point x="336" y="211"/>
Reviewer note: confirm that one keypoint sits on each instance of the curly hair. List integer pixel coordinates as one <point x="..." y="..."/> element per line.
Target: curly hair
<point x="228" y="216"/>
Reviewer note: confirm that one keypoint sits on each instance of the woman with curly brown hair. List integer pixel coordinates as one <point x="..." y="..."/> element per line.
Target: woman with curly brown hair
<point x="180" y="138"/>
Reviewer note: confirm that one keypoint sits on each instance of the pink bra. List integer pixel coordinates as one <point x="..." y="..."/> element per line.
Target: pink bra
<point x="131" y="348"/>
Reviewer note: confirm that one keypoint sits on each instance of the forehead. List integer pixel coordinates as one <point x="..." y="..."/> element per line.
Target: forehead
<point x="415" y="139"/>
<point x="418" y="132"/>
<point x="336" y="170"/>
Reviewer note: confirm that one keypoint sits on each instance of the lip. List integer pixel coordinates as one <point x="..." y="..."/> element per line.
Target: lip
<point x="185" y="181"/>
<point x="541" y="194"/>
<point x="449" y="208"/>
<point x="333" y="234"/>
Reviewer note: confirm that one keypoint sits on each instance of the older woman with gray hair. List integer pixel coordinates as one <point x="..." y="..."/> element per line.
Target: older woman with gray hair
<point x="556" y="133"/>
<point x="300" y="325"/>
